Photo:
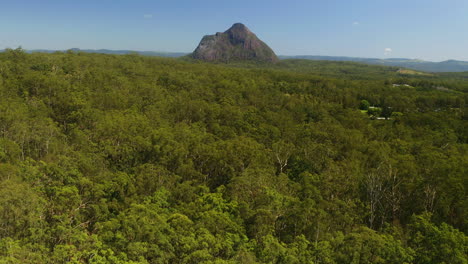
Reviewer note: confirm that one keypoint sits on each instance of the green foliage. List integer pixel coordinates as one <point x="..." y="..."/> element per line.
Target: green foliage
<point x="437" y="244"/>
<point x="131" y="159"/>
<point x="374" y="111"/>
<point x="364" y="105"/>
<point x="367" y="246"/>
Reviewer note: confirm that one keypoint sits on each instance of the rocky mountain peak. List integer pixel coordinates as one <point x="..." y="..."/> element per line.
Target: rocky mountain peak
<point x="235" y="44"/>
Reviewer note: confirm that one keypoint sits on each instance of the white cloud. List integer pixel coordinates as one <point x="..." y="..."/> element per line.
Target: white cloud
<point x="147" y="16"/>
<point x="356" y="23"/>
<point x="388" y="51"/>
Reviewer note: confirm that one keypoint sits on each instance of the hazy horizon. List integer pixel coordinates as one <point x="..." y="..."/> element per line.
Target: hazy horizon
<point x="426" y="30"/>
<point x="188" y="52"/>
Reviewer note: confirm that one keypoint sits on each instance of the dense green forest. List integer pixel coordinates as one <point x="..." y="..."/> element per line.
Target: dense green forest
<point x="133" y="159"/>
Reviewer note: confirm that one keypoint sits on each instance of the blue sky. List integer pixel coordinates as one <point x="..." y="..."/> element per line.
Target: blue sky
<point x="424" y="29"/>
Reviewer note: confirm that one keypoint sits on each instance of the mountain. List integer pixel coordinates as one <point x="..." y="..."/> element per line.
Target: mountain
<point x="235" y="44"/>
<point x="420" y="65"/>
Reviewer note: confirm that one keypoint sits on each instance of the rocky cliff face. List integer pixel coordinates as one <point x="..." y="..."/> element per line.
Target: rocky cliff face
<point x="235" y="44"/>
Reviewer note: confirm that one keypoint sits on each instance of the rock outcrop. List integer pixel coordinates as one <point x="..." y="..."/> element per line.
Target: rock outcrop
<point x="236" y="44"/>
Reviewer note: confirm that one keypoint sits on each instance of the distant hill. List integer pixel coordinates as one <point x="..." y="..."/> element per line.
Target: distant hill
<point x="117" y="52"/>
<point x="237" y="43"/>
<point x="420" y="65"/>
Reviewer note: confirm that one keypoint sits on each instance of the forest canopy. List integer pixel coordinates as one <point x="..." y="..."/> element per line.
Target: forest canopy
<point x="133" y="159"/>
